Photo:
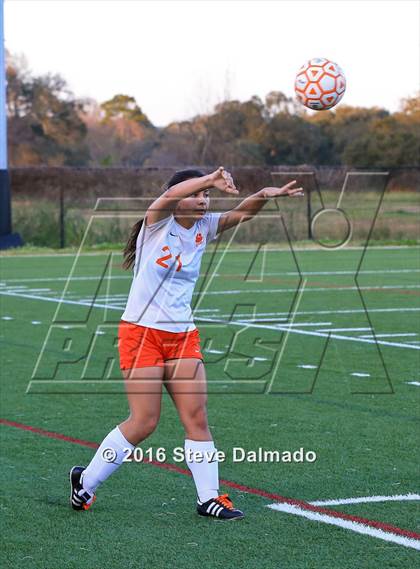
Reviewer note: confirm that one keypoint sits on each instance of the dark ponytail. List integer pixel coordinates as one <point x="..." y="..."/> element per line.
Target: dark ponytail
<point x="129" y="252"/>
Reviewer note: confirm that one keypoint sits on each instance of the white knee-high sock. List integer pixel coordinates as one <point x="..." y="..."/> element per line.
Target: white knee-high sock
<point x="206" y="472"/>
<point x="107" y="459"/>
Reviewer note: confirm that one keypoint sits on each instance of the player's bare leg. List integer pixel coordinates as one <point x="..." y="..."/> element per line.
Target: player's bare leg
<point x="144" y="392"/>
<point x="185" y="381"/>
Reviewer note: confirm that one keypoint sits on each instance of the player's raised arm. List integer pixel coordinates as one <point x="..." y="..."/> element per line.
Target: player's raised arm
<point x="165" y="205"/>
<point x="251" y="205"/>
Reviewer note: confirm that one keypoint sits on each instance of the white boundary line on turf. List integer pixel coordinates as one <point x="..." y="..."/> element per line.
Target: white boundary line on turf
<point x="285" y="328"/>
<point x="338" y="311"/>
<point x="344" y="330"/>
<point x="65" y="279"/>
<point x="274" y="249"/>
<point x="347" y="524"/>
<point x="388" y="335"/>
<point x="367" y="499"/>
<point x="325" y="273"/>
<point x="310" y="289"/>
<point x="218" y="275"/>
<point x="226" y="315"/>
<point x="120" y="298"/>
<point x="298" y="324"/>
<point x="59" y="300"/>
<point x="279" y="327"/>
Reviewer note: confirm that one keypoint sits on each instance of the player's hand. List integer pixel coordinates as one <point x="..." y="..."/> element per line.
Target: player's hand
<point x="223" y="181"/>
<point x="287" y="190"/>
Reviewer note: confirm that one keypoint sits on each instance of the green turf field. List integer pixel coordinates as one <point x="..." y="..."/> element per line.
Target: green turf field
<point x="298" y="353"/>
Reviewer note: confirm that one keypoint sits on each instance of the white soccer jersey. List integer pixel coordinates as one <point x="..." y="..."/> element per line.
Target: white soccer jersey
<point x="167" y="266"/>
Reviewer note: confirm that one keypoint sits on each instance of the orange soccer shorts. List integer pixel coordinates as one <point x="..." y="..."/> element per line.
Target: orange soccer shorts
<point x="140" y="346"/>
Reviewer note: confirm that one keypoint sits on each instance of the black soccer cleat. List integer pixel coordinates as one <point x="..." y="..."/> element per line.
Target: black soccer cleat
<point x="80" y="499"/>
<point x="220" y="507"/>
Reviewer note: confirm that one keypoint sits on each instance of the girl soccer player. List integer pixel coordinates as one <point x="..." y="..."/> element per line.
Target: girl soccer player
<point x="158" y="341"/>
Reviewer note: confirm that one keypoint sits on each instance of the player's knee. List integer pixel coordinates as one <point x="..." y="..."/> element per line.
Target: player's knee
<point x="150" y="424"/>
<point x="196" y="418"/>
<point x="142" y="427"/>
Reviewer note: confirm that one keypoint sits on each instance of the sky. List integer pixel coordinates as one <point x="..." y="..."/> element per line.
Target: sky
<point x="179" y="58"/>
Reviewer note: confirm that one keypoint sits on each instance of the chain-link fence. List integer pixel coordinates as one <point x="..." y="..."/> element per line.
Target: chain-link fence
<point x="54" y="206"/>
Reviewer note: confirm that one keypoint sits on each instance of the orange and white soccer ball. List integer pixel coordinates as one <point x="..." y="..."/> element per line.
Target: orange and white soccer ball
<point x="320" y="84"/>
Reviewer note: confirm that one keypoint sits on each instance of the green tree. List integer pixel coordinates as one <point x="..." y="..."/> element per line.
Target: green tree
<point x="390" y="141"/>
<point x="119" y="133"/>
<point x="346" y="130"/>
<point x="124" y="107"/>
<point x="290" y="139"/>
<point x="232" y="133"/>
<point x="277" y="102"/>
<point x="44" y="120"/>
<point x="411" y="106"/>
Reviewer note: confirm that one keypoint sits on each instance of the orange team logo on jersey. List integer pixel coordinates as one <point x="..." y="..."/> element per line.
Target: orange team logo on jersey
<point x="198" y="239"/>
<point x="161" y="260"/>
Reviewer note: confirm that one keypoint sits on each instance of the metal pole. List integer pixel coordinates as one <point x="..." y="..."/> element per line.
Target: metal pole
<point x="62" y="228"/>
<point x="309" y="212"/>
<point x="3" y="120"/>
<point x="7" y="239"/>
<point x="5" y="217"/>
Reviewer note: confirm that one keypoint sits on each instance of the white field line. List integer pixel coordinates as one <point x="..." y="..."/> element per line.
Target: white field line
<point x="316" y="312"/>
<point x="416" y="383"/>
<point x="367" y="499"/>
<point x="325" y="273"/>
<point x="343" y="329"/>
<point x="284" y="290"/>
<point x="245" y="314"/>
<point x="273" y="249"/>
<point x="360" y="374"/>
<point x="310" y="289"/>
<point x="257" y="359"/>
<point x="285" y="328"/>
<point x="387" y="335"/>
<point x="65" y="279"/>
<point x="99" y="299"/>
<point x="216" y="275"/>
<point x="42" y="290"/>
<point x="56" y="300"/>
<point x="36" y="255"/>
<point x="122" y="296"/>
<point x="279" y="327"/>
<point x="268" y="290"/>
<point x="348" y="524"/>
<point x="278" y="290"/>
<point x="298" y="324"/>
<point x="307" y="366"/>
